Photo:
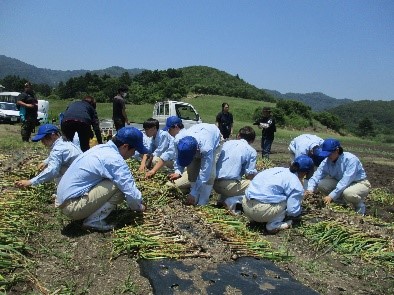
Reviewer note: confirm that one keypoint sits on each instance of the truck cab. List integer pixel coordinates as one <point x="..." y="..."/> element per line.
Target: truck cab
<point x="164" y="109"/>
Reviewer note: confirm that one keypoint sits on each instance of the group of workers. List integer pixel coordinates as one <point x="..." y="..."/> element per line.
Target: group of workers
<point x="91" y="182"/>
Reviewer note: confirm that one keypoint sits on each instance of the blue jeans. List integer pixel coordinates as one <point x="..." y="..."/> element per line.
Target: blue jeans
<point x="266" y="147"/>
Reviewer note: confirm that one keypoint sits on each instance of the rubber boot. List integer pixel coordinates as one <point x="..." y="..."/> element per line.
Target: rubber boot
<point x="96" y="220"/>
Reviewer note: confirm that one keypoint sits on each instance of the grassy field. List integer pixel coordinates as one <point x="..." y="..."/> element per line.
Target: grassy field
<point x="208" y="107"/>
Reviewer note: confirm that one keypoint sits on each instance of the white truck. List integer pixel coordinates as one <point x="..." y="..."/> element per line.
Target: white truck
<point x="161" y="111"/>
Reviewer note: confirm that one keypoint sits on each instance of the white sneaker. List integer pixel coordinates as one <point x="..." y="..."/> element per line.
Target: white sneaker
<point x="287" y="224"/>
<point x="100" y="225"/>
<point x="284" y="225"/>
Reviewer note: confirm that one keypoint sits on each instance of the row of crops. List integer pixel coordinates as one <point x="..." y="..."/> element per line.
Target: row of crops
<point x="151" y="236"/>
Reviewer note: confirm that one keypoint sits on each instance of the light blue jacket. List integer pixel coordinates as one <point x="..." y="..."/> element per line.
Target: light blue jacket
<point x="346" y="169"/>
<point x="236" y="159"/>
<point x="208" y="139"/>
<point x="161" y="144"/>
<point x="302" y="144"/>
<point x="276" y="185"/>
<point x="101" y="162"/>
<point x="62" y="154"/>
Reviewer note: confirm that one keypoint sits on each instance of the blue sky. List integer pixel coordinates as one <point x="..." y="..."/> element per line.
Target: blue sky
<point x="344" y="49"/>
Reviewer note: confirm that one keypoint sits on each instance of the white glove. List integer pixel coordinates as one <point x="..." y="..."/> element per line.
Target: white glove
<point x="263" y="125"/>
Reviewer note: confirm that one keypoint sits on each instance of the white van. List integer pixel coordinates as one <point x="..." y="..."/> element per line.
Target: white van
<point x="43" y="105"/>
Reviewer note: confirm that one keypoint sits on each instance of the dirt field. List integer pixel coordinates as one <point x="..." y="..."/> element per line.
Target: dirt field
<point x="62" y="258"/>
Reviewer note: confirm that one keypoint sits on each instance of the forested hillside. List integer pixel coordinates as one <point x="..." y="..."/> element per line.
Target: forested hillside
<point x="206" y="80"/>
<point x="14" y="67"/>
<point x="316" y="100"/>
<point x="367" y="117"/>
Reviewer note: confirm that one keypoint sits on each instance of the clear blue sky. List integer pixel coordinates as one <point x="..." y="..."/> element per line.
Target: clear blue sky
<point x="343" y="48"/>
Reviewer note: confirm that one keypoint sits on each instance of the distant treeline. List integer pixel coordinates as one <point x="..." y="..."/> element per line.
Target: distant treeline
<point x="363" y="118"/>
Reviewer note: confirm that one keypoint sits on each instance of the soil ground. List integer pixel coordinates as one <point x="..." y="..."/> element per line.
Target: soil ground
<point x="70" y="260"/>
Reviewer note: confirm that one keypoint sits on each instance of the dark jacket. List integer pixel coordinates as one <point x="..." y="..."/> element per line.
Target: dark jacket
<point x="84" y="112"/>
<point x="268" y="133"/>
<point x="29" y="98"/>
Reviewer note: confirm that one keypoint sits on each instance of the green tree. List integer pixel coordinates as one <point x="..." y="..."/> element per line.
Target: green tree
<point x="365" y="128"/>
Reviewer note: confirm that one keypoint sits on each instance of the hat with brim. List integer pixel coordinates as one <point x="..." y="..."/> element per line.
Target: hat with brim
<point x="187" y="148"/>
<point x="329" y="145"/>
<point x="133" y="137"/>
<point x="171" y="122"/>
<point x="44" y="130"/>
<point x="304" y="163"/>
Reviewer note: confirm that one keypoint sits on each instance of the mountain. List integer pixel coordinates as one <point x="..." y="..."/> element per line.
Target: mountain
<point x="316" y="100"/>
<point x="380" y="113"/>
<point x="12" y="66"/>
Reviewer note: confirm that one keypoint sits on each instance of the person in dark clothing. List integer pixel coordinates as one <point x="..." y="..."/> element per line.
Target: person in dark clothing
<point x="224" y="121"/>
<point x="267" y="125"/>
<point x="28" y="106"/>
<point x="78" y="117"/>
<point x="119" y="115"/>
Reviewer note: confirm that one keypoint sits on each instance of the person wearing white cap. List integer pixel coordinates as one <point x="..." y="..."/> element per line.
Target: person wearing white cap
<point x="197" y="148"/>
<point x="276" y="193"/>
<point x="62" y="154"/>
<point x="340" y="177"/>
<point x="237" y="158"/>
<point x="100" y="179"/>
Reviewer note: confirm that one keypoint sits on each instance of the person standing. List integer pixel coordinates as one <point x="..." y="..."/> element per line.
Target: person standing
<point x="119" y="115"/>
<point x="340" y="177"/>
<point x="79" y="117"/>
<point x="99" y="179"/>
<point x="268" y="128"/>
<point x="62" y="154"/>
<point x="225" y="121"/>
<point x="28" y="105"/>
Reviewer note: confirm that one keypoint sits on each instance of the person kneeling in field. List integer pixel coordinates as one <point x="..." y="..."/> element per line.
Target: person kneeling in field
<point x="62" y="154"/>
<point x="99" y="179"/>
<point x="340" y="177"/>
<point x="197" y="148"/>
<point x="160" y="155"/>
<point x="276" y="193"/>
<point x="237" y="158"/>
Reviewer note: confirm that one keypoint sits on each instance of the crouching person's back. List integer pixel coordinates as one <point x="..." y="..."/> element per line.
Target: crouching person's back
<point x="100" y="179"/>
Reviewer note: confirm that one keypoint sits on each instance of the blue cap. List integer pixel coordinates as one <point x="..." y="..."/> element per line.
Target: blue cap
<point x="329" y="145"/>
<point x="172" y="121"/>
<point x="304" y="163"/>
<point x="133" y="137"/>
<point x="45" y="130"/>
<point x="187" y="148"/>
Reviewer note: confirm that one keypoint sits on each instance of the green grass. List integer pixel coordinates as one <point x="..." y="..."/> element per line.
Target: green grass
<point x="208" y="106"/>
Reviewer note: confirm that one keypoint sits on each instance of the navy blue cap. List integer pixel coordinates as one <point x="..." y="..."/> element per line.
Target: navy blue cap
<point x="187" y="148"/>
<point x="133" y="137"/>
<point x="329" y="145"/>
<point x="304" y="163"/>
<point x="172" y="121"/>
<point x="45" y="130"/>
